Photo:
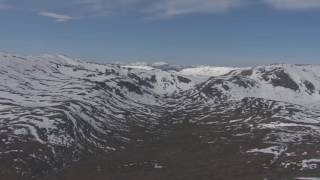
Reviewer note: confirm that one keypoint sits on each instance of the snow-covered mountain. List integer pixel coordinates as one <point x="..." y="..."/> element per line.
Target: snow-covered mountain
<point x="56" y="112"/>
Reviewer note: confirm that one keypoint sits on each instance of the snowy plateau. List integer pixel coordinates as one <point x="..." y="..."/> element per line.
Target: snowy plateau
<point x="63" y="119"/>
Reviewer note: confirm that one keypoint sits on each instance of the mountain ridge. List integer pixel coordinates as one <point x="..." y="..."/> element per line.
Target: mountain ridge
<point x="56" y="112"/>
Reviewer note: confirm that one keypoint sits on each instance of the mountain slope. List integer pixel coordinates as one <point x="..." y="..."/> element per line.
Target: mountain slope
<point x="58" y="114"/>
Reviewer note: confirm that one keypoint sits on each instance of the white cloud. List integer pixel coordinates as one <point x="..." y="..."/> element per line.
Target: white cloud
<point x="294" y="4"/>
<point x="77" y="9"/>
<point x="89" y="8"/>
<point x="159" y="8"/>
<point x="168" y="8"/>
<point x="56" y="17"/>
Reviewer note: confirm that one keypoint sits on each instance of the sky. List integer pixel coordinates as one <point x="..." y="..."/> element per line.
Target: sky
<point x="211" y="32"/>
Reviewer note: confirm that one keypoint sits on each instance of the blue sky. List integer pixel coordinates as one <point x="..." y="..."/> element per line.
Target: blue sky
<point x="214" y="32"/>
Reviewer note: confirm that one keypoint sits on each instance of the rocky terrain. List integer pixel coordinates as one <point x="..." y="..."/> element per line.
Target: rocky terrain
<point x="61" y="118"/>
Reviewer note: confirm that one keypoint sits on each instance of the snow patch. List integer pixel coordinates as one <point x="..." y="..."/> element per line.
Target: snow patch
<point x="206" y="71"/>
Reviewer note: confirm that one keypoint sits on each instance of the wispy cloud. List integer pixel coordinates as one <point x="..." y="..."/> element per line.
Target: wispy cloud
<point x="78" y="9"/>
<point x="4" y="6"/>
<point x="56" y="17"/>
<point x="159" y="8"/>
<point x="169" y="8"/>
<point x="294" y="4"/>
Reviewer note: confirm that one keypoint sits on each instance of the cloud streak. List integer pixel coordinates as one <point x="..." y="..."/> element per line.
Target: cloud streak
<point x="56" y="17"/>
<point x="78" y="9"/>
<point x="294" y="4"/>
<point x="4" y="6"/>
<point x="160" y="8"/>
<point x="169" y="8"/>
<point x="148" y="8"/>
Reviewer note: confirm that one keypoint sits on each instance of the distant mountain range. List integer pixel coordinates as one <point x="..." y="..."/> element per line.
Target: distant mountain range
<point x="62" y="118"/>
